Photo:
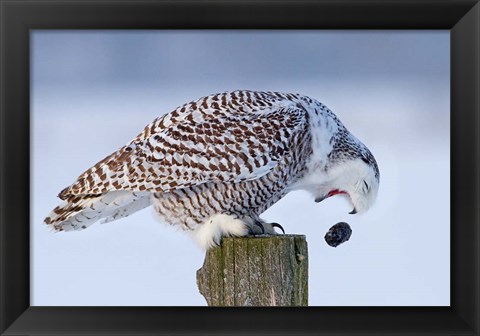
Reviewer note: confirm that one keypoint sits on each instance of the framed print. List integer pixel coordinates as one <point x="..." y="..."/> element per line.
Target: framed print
<point x="81" y="79"/>
<point x="94" y="91"/>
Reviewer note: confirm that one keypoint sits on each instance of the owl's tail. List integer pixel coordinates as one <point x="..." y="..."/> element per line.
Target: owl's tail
<point x="78" y="212"/>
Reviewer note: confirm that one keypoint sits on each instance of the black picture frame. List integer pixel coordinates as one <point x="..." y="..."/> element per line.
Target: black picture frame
<point x="18" y="17"/>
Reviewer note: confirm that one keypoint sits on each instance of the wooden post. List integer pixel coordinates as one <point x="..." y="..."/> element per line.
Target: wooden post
<point x="256" y="271"/>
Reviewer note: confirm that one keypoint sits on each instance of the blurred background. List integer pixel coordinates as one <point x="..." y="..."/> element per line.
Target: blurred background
<point x="94" y="91"/>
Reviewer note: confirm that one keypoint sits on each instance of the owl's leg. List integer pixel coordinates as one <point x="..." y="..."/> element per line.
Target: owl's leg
<point x="210" y="233"/>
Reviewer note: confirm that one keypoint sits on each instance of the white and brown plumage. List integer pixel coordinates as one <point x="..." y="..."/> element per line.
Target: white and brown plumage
<point x="212" y="166"/>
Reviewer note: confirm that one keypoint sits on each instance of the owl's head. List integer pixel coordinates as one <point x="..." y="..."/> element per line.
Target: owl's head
<point x="353" y="176"/>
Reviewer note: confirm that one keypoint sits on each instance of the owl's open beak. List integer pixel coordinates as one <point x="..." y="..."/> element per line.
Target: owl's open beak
<point x="333" y="193"/>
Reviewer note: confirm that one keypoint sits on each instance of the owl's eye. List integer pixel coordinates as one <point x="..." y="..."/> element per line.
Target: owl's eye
<point x="366" y="186"/>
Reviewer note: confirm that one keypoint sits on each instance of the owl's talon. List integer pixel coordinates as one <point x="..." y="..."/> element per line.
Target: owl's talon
<point x="278" y="226"/>
<point x="259" y="224"/>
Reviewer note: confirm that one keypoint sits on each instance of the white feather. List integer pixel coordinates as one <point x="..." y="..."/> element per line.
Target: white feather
<point x="217" y="226"/>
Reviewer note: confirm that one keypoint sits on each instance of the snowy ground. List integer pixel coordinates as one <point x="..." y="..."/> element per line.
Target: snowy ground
<point x="94" y="92"/>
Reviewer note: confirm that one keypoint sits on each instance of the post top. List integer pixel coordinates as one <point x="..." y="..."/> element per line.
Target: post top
<point x="263" y="237"/>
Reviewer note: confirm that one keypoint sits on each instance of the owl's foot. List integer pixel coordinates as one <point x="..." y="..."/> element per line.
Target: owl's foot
<point x="266" y="228"/>
<point x="210" y="233"/>
<point x="253" y="231"/>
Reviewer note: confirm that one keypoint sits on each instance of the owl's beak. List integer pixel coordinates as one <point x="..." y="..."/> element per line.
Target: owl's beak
<point x="332" y="193"/>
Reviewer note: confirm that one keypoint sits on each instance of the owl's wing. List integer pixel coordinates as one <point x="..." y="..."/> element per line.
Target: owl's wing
<point x="179" y="150"/>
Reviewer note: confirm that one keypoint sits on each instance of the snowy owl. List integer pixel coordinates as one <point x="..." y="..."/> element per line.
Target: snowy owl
<point x="214" y="165"/>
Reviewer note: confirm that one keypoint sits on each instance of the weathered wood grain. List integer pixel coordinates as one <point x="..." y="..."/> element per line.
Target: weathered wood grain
<point x="256" y="271"/>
